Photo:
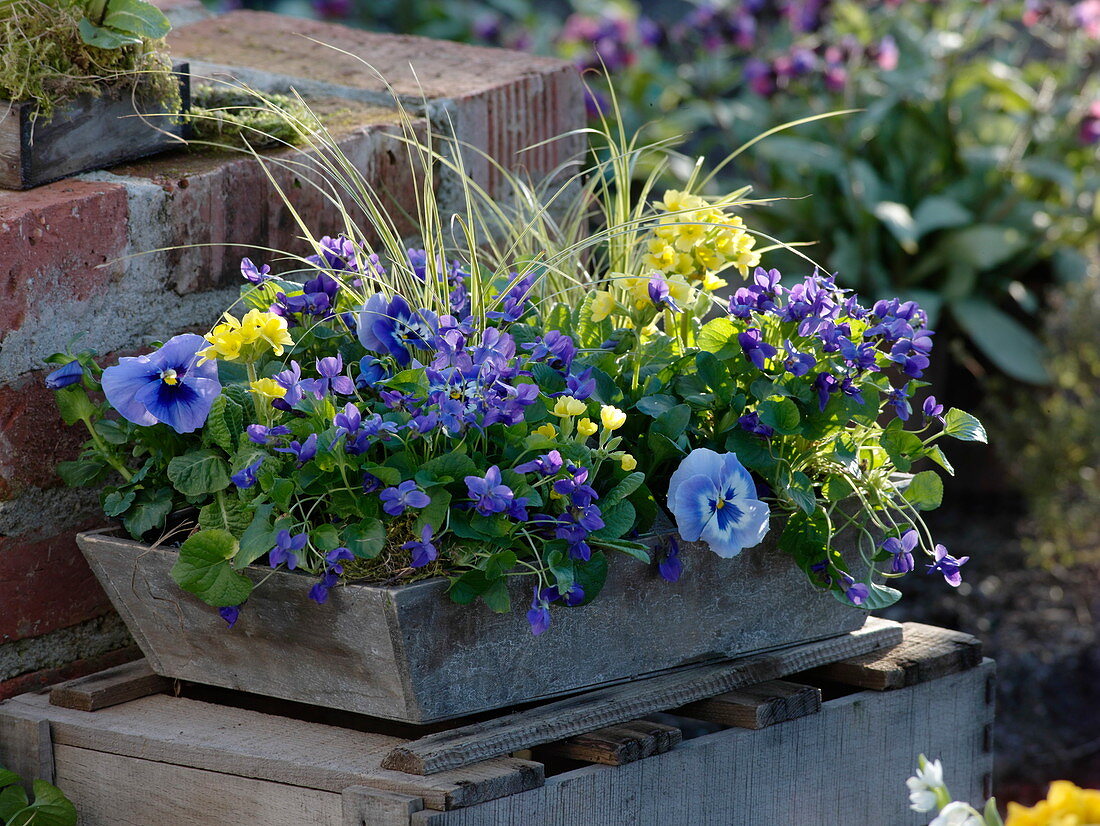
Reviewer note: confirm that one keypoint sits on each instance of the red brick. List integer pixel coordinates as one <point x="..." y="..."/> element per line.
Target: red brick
<point x="45" y="584"/>
<point x="33" y="438"/>
<point x="217" y="205"/>
<point x="52" y="239"/>
<point x="37" y="680"/>
<point x="505" y="101"/>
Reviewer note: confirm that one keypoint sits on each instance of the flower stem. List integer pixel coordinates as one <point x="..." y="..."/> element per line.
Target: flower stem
<point x="123" y="471"/>
<point x="261" y="414"/>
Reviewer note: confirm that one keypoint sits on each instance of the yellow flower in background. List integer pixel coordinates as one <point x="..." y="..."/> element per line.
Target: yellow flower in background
<point x="268" y="388"/>
<point x="603" y="305"/>
<point x="628" y="462"/>
<point x="612" y="417"/>
<point x="1066" y="805"/>
<point x="712" y="282"/>
<point x="547" y="430"/>
<point x="694" y="239"/>
<point x="586" y="427"/>
<point x="568" y="406"/>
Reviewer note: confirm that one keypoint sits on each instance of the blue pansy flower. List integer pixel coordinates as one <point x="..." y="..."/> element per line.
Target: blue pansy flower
<point x="71" y="373"/>
<point x="391" y="326"/>
<point x="713" y="498"/>
<point x="173" y="385"/>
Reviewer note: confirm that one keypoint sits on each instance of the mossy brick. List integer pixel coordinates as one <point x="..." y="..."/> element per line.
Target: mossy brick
<point x="510" y="105"/>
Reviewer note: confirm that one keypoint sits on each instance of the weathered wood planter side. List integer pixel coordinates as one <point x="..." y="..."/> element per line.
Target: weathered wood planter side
<point x="88" y="133"/>
<point x="408" y="653"/>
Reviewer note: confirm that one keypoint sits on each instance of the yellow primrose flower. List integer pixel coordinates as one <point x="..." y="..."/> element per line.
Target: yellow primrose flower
<point x="268" y="388"/>
<point x="712" y="282"/>
<point x="225" y="343"/>
<point x="568" y="406"/>
<point x="612" y="417"/>
<point x="628" y="462"/>
<point x="1066" y="805"/>
<point x="586" y="427"/>
<point x="547" y="430"/>
<point x="268" y="327"/>
<point x="603" y="304"/>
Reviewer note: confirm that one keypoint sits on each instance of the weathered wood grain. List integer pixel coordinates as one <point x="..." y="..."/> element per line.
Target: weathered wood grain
<point x="118" y="790"/>
<point x="409" y="653"/>
<point x="26" y="747"/>
<point x="926" y="653"/>
<point x="846" y="765"/>
<point x="757" y="706"/>
<point x="364" y="806"/>
<point x="615" y="745"/>
<point x="120" y="684"/>
<point x="575" y="715"/>
<point x="88" y="133"/>
<point x="237" y="741"/>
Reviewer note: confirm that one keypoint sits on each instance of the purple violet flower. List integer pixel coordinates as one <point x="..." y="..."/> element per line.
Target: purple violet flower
<point x="948" y="566"/>
<point x="260" y="435"/>
<point x="406" y="495"/>
<point x="670" y="567"/>
<point x="230" y="613"/>
<point x="902" y="549"/>
<point x="756" y="349"/>
<point x="246" y="477"/>
<point x="488" y="494"/>
<point x="330" y="369"/>
<point x="302" y="451"/>
<point x="539" y="615"/>
<point x="423" y="551"/>
<point x="254" y="275"/>
<point x="549" y="464"/>
<point x="286" y="549"/>
<point x="932" y="409"/>
<point x="659" y="295"/>
<point x="856" y="592"/>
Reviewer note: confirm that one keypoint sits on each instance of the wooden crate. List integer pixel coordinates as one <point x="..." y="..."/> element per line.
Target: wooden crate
<point x="85" y="134"/>
<point x="790" y="737"/>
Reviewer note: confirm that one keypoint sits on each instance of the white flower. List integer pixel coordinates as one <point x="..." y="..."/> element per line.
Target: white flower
<point x="958" y="814"/>
<point x="923" y="786"/>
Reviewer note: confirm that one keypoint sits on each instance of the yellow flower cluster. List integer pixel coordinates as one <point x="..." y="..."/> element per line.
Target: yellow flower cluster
<point x="695" y="240"/>
<point x="246" y="339"/>
<point x="1066" y="805"/>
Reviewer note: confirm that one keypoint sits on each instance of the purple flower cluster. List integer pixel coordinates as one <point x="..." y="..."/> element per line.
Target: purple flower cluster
<point x="828" y="352"/>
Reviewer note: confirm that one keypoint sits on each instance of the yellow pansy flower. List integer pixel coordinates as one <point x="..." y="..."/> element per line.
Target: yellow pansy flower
<point x="586" y="427"/>
<point x="603" y="304"/>
<point x="628" y="462"/>
<point x="612" y="417"/>
<point x="568" y="406"/>
<point x="268" y="388"/>
<point x="547" y="430"/>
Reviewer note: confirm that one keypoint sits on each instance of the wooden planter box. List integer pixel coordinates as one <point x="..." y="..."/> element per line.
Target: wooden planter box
<point x="408" y="653"/>
<point x="88" y="133"/>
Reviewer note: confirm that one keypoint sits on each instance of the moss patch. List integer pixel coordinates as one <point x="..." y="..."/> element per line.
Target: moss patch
<point x="45" y="61"/>
<point x="230" y="116"/>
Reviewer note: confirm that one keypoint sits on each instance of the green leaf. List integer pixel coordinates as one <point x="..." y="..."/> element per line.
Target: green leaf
<point x="991" y="815"/>
<point x="74" y="404"/>
<point x="366" y="539"/>
<point x="634" y="549"/>
<point x="836" y="489"/>
<point x="111" y="432"/>
<point x="1002" y="339"/>
<point x="258" y="538"/>
<point x="801" y="491"/>
<point x="984" y="246"/>
<point x="118" y="502"/>
<point x="715" y="375"/>
<point x="656" y="404"/>
<point x="80" y="473"/>
<point x="718" y="336"/>
<point x="50" y="808"/>
<point x="496" y="597"/>
<point x="936" y="454"/>
<point x="617" y="521"/>
<point x="925" y="491"/>
<point x="204" y="569"/>
<point x="899" y="221"/>
<point x="136" y="17"/>
<point x="939" y="212"/>
<point x="435" y="514"/>
<point x="149" y="512"/>
<point x="225" y="424"/>
<point x="468" y="587"/>
<point x="806" y="538"/>
<point x="199" y="472"/>
<point x="902" y="447"/>
<point x="226" y="512"/>
<point x="879" y="596"/>
<point x="622" y="490"/>
<point x="325" y="538"/>
<point x="281" y="491"/>
<point x="780" y="414"/>
<point x="12" y="798"/>
<point x="455" y="466"/>
<point x="102" y="38"/>
<point x="591" y="575"/>
<point x="962" y="426"/>
<point x="673" y="422"/>
<point x="752" y="451"/>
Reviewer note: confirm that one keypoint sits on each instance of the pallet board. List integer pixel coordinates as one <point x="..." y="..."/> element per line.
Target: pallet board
<point x="169" y="759"/>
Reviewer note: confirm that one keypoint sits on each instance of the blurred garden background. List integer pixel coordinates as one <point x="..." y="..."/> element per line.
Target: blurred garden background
<point x="966" y="178"/>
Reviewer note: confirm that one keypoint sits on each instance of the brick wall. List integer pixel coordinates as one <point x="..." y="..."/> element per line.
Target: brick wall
<point x="75" y="259"/>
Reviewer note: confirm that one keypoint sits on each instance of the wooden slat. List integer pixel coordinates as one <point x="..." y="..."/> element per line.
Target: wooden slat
<point x="25" y="744"/>
<point x="757" y="706"/>
<point x="364" y="806"/>
<point x="615" y="745"/>
<point x="247" y="743"/>
<point x="120" y="684"/>
<point x="925" y="653"/>
<point x="829" y="769"/>
<point x="616" y="704"/>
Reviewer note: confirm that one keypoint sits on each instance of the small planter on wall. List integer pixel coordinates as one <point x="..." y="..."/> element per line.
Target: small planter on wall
<point x="409" y="653"/>
<point x="87" y="133"/>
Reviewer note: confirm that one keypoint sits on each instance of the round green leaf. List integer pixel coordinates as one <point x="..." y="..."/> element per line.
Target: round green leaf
<point x="204" y="569"/>
<point x="199" y="472"/>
